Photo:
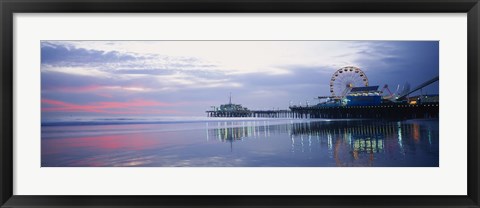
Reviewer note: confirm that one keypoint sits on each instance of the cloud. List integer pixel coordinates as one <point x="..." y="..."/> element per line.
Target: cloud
<point x="97" y="88"/>
<point x="56" y="54"/>
<point x="55" y="80"/>
<point x="397" y="62"/>
<point x="80" y="71"/>
<point x="232" y="57"/>
<point x="130" y="107"/>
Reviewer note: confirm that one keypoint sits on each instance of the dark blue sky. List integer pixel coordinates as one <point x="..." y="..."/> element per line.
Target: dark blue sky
<point x="185" y="78"/>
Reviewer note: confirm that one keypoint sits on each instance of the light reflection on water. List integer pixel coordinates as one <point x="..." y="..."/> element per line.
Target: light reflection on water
<point x="283" y="143"/>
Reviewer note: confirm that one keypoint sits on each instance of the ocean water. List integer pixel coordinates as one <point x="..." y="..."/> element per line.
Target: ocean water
<point x="227" y="142"/>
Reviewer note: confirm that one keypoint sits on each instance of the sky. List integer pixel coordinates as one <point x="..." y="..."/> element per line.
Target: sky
<point x="186" y="78"/>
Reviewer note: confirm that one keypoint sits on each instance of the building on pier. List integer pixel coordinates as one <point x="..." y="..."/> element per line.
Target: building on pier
<point x="237" y="110"/>
<point x="363" y="96"/>
<point x="356" y="96"/>
<point x="229" y="110"/>
<point x="423" y="99"/>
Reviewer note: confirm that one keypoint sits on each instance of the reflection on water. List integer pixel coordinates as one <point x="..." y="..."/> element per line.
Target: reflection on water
<point x="270" y="143"/>
<point x="353" y="143"/>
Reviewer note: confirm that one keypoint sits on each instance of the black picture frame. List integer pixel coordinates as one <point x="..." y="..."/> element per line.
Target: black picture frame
<point x="9" y="7"/>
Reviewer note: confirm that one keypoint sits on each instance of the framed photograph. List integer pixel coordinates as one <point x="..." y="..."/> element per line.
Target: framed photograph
<point x="236" y="103"/>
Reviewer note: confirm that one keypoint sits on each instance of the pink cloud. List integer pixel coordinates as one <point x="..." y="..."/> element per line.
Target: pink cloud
<point x="104" y="95"/>
<point x="135" y="103"/>
<point x="129" y="107"/>
<point x="88" y="88"/>
<point x="94" y="88"/>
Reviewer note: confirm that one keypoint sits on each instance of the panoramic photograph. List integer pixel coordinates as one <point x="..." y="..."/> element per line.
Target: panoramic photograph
<point x="239" y="103"/>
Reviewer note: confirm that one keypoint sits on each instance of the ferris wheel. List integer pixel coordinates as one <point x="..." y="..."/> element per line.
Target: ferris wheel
<point x="344" y="79"/>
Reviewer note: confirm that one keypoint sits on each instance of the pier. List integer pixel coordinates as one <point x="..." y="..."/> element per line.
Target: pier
<point x="388" y="111"/>
<point x="253" y="113"/>
<point x="401" y="111"/>
<point x="351" y="98"/>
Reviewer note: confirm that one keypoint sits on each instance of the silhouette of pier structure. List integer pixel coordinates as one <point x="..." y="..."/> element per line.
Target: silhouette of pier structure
<point x="393" y="110"/>
<point x="254" y="114"/>
<point x="402" y="111"/>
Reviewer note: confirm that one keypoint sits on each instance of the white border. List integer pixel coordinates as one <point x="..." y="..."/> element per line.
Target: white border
<point x="448" y="179"/>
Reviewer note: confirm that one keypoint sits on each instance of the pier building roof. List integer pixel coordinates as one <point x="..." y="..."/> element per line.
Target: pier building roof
<point x="364" y="89"/>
